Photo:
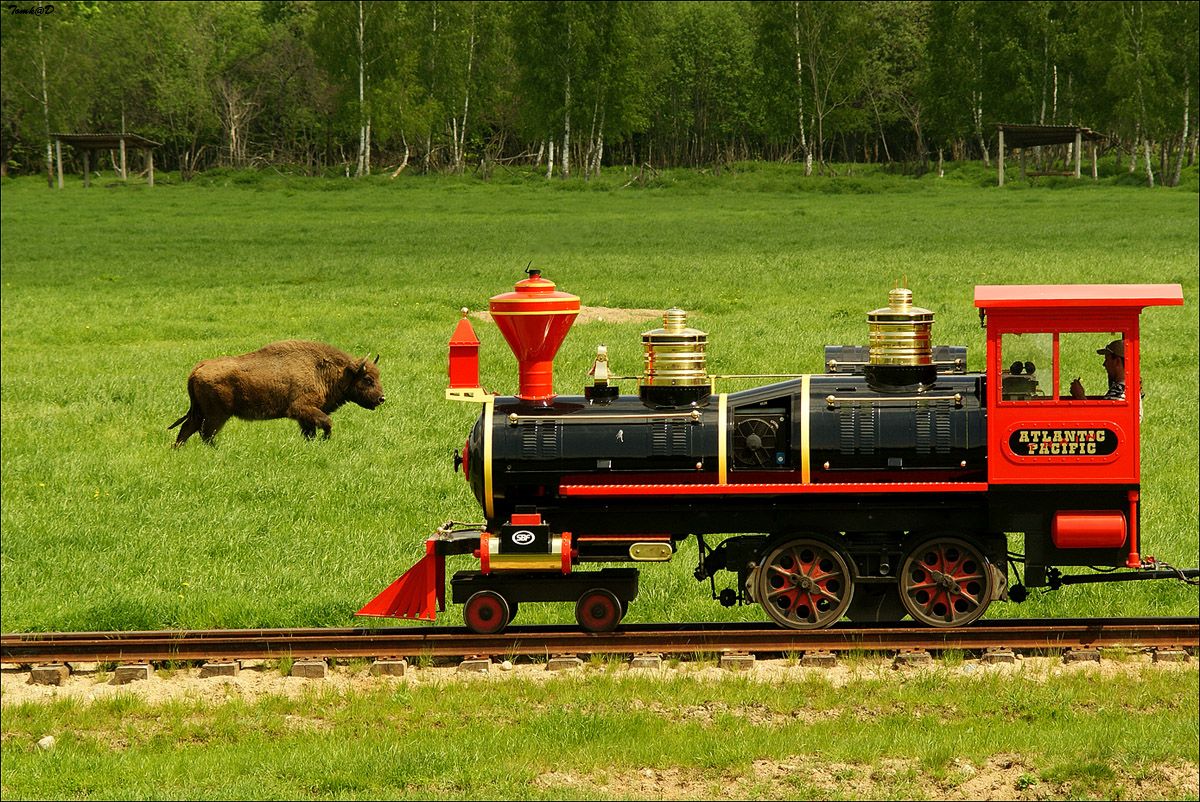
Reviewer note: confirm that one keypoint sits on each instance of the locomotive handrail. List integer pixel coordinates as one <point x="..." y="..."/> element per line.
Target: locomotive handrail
<point x="959" y="365"/>
<point x="737" y="375"/>
<point x="832" y="400"/>
<point x="693" y="416"/>
<point x="756" y="376"/>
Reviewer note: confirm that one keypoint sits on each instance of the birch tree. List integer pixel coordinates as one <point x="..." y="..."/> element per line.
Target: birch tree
<point x="39" y="62"/>
<point x="706" y="87"/>
<point x="1181" y="27"/>
<point x="237" y="37"/>
<point x="828" y="41"/>
<point x="355" y="40"/>
<point x="549" y="36"/>
<point x="784" y="92"/>
<point x="1134" y="65"/>
<point x="611" y="81"/>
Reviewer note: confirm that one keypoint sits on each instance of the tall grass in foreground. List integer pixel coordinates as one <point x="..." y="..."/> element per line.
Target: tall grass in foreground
<point x="109" y="297"/>
<point x="598" y="735"/>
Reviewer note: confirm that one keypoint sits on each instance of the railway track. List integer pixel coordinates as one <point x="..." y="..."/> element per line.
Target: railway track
<point x="448" y="642"/>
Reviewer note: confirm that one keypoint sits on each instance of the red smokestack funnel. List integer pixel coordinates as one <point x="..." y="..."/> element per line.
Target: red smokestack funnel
<point x="535" y="319"/>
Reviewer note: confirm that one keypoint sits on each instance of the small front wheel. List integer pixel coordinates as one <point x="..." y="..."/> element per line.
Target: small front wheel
<point x="598" y="610"/>
<point x="486" y="613"/>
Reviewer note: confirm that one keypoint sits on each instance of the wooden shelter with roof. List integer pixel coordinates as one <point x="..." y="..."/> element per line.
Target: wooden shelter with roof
<point x="88" y="143"/>
<point x="1022" y="137"/>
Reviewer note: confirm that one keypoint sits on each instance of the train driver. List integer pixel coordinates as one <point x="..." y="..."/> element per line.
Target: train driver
<point x="1114" y="366"/>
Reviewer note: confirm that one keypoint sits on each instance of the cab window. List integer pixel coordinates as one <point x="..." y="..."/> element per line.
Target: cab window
<point x="1026" y="363"/>
<point x="1078" y="360"/>
<point x="1041" y="366"/>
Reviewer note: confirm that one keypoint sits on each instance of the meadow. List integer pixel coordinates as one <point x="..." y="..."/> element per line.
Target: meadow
<point x="110" y="295"/>
<point x="602" y="733"/>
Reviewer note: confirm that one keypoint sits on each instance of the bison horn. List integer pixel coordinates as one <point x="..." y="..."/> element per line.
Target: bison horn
<point x="377" y="358"/>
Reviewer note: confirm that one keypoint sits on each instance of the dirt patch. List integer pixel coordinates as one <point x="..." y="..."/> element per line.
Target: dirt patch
<point x="261" y="680"/>
<point x="756" y="714"/>
<point x="1002" y="776"/>
<point x="600" y="314"/>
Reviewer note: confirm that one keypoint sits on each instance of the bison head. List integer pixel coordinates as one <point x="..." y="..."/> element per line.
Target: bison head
<point x="365" y="387"/>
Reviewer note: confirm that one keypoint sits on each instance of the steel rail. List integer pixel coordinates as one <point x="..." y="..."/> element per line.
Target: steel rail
<point x="418" y="641"/>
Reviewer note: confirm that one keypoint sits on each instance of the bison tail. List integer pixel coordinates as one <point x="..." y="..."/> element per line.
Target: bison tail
<point x="181" y="420"/>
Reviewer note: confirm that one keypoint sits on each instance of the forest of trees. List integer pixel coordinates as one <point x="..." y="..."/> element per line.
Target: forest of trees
<point x="360" y="86"/>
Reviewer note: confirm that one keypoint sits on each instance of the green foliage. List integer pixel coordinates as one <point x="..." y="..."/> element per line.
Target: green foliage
<point x="471" y="84"/>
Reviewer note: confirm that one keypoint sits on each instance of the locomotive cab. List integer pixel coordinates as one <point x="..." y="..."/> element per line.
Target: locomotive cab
<point x="1064" y="466"/>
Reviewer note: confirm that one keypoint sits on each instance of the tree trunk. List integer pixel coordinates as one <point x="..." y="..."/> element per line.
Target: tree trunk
<point x="598" y="154"/>
<point x="236" y="113"/>
<point x="804" y="146"/>
<point x="591" y="145"/>
<point x="977" y="96"/>
<point x="404" y="161"/>
<point x="566" y="145"/>
<point x="1149" y="167"/>
<point x="364" y="126"/>
<point x="977" y="115"/>
<point x="1045" y="70"/>
<point x="45" y="103"/>
<point x="367" y="148"/>
<point x="462" y="129"/>
<point x="1183" y="138"/>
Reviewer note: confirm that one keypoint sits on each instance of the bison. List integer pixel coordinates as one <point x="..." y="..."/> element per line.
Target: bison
<point x="304" y="381"/>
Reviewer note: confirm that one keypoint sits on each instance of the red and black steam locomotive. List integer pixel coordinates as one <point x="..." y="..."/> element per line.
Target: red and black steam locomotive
<point x="886" y="486"/>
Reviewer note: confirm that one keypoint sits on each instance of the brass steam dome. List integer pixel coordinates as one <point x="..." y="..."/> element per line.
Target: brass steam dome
<point x="675" y="370"/>
<point x="900" y="333"/>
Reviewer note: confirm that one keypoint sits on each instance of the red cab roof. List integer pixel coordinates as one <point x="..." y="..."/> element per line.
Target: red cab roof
<point x="1059" y="296"/>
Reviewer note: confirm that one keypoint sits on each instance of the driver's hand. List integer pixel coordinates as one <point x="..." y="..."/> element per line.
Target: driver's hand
<point x="1077" y="391"/>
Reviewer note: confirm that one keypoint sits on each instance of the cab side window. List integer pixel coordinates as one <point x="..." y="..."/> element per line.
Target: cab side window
<point x="1027" y="367"/>
<point x="1095" y="360"/>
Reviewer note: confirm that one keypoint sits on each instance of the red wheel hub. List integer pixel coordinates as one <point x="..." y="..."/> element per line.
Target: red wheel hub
<point x="486" y="613"/>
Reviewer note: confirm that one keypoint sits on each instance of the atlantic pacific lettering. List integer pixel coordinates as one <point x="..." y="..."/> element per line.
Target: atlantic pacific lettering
<point x="1059" y="442"/>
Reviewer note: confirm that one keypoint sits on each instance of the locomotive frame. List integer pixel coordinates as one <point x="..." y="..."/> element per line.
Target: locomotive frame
<point x="885" y="487"/>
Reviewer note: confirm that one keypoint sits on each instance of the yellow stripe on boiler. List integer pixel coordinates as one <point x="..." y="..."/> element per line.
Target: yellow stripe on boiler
<point x="805" y="412"/>
<point x="722" y="439"/>
<point x="489" y="505"/>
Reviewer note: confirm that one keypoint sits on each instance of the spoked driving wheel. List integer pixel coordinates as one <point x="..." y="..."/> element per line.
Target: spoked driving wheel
<point x="486" y="613"/>
<point x="804" y="584"/>
<point x="945" y="582"/>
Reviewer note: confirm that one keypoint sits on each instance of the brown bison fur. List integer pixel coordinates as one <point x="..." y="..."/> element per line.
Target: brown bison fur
<point x="304" y="381"/>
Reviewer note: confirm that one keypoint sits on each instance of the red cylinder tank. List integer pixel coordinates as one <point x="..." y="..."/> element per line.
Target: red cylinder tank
<point x="535" y="318"/>
<point x="1088" y="529"/>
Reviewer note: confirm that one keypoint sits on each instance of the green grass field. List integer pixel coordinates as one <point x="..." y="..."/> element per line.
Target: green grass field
<point x="110" y="296"/>
<point x="594" y="734"/>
